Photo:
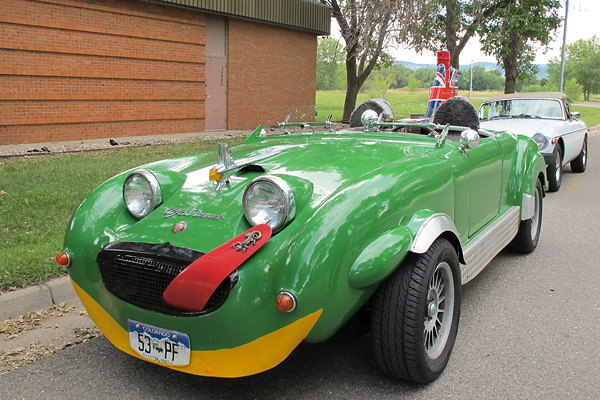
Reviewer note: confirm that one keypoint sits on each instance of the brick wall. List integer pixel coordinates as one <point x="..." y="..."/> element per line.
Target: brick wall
<point x="83" y="69"/>
<point x="99" y="68"/>
<point x="272" y="71"/>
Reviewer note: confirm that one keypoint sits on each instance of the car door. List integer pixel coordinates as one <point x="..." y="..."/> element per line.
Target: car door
<point x="573" y="133"/>
<point x="484" y="164"/>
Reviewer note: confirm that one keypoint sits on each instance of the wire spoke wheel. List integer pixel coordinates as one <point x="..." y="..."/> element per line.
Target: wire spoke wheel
<point x="438" y="311"/>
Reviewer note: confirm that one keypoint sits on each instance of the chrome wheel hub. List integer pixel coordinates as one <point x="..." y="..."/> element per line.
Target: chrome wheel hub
<point x="535" y="220"/>
<point x="439" y="310"/>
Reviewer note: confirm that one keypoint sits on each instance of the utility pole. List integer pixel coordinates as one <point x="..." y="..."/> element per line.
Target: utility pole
<point x="471" y="89"/>
<point x="562" y="57"/>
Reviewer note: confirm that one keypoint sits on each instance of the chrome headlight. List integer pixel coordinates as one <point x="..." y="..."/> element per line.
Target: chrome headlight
<point x="141" y="192"/>
<point x="541" y="140"/>
<point x="269" y="200"/>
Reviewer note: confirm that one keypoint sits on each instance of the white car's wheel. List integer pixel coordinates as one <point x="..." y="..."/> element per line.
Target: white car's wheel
<point x="580" y="163"/>
<point x="529" y="230"/>
<point x="554" y="172"/>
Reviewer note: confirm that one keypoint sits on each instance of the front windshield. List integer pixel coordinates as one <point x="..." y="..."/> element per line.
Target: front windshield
<point x="522" y="108"/>
<point x="304" y="120"/>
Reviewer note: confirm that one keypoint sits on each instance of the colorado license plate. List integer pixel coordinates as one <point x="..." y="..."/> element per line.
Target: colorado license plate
<point x="159" y="344"/>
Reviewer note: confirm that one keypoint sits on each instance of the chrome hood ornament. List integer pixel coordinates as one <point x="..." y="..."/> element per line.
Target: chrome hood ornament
<point x="227" y="166"/>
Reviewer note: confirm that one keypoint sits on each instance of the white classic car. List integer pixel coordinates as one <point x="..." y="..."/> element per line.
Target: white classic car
<point x="547" y="118"/>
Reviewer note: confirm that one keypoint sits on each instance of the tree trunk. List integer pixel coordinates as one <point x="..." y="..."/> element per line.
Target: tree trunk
<point x="350" y="102"/>
<point x="352" y="86"/>
<point x="451" y="37"/>
<point x="510" y="64"/>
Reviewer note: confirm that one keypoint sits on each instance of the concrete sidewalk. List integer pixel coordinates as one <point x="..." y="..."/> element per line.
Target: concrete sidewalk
<point x="37" y="297"/>
<point x="105" y="143"/>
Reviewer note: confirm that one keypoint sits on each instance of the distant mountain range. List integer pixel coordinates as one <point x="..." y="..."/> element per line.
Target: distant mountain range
<point x="487" y="65"/>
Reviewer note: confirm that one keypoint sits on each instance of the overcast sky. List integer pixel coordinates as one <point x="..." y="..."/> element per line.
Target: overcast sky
<point x="583" y="23"/>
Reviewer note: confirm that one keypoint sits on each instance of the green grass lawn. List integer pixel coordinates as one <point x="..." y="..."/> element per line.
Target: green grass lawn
<point x="39" y="194"/>
<point x="405" y="103"/>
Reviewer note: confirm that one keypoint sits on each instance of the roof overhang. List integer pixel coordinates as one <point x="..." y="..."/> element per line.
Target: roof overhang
<point x="305" y="15"/>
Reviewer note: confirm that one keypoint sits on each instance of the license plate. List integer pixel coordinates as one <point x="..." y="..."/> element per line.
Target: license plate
<point x="159" y="344"/>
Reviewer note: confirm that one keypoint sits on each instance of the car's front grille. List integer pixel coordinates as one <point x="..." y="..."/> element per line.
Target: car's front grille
<point x="139" y="273"/>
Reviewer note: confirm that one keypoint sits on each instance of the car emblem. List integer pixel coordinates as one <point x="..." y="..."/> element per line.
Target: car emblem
<point x="251" y="238"/>
<point x="179" y="227"/>
<point x="169" y="212"/>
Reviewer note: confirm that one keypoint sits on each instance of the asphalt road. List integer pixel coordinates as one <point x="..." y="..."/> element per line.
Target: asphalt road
<point x="529" y="330"/>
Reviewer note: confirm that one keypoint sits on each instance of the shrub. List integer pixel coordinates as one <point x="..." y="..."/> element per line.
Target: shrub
<point x="413" y="84"/>
<point x="573" y="89"/>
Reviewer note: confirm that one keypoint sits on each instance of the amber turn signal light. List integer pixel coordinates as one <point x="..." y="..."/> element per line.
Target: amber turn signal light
<point x="286" y="301"/>
<point x="214" y="175"/>
<point x="63" y="258"/>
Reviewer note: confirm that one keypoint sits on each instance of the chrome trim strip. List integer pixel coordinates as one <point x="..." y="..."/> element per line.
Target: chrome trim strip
<point x="485" y="246"/>
<point x="528" y="207"/>
<point x="431" y="229"/>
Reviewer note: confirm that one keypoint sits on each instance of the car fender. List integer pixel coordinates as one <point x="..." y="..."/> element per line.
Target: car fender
<point x="380" y="258"/>
<point x="528" y="166"/>
<point x="430" y="227"/>
<point x="383" y="255"/>
<point x="320" y="255"/>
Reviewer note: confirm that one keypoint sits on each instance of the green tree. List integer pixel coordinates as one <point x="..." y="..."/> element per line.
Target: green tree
<point x="573" y="89"/>
<point x="583" y="61"/>
<point x="330" y="55"/>
<point x="532" y="88"/>
<point x="413" y="84"/>
<point x="525" y="80"/>
<point x="482" y="79"/>
<point x="367" y="27"/>
<point x="449" y="24"/>
<point x="425" y="76"/>
<point x="399" y="75"/>
<point x="514" y="33"/>
<point x="378" y="87"/>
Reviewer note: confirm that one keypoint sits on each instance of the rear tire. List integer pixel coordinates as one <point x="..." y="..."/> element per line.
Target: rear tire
<point x="377" y="105"/>
<point x="529" y="230"/>
<point x="580" y="163"/>
<point x="415" y="314"/>
<point x="554" y="172"/>
<point x="457" y="111"/>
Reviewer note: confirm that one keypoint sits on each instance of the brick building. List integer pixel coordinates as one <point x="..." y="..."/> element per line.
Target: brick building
<point x="81" y="69"/>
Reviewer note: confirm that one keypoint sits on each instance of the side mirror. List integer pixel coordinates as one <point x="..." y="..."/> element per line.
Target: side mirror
<point x="469" y="139"/>
<point x="576" y="114"/>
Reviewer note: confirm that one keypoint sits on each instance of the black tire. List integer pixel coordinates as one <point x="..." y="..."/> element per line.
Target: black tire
<point x="457" y="111"/>
<point x="377" y="105"/>
<point x="579" y="164"/>
<point x="554" y="172"/>
<point x="529" y="231"/>
<point x="413" y="331"/>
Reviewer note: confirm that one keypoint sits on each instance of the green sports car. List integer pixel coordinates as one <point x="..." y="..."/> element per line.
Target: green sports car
<point x="221" y="264"/>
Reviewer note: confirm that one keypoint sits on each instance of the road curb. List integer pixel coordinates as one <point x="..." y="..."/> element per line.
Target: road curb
<point x="38" y="297"/>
